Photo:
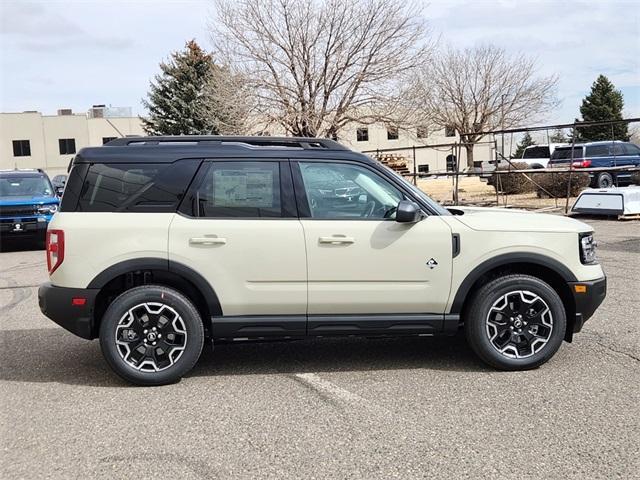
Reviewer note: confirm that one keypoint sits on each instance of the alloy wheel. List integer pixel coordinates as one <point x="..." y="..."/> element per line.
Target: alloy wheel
<point x="151" y="337"/>
<point x="519" y="324"/>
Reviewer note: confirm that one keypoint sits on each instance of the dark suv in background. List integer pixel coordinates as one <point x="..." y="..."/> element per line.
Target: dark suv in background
<point x="598" y="155"/>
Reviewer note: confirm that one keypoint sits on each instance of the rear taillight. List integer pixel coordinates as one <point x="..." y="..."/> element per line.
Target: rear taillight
<point x="55" y="249"/>
<point x="581" y="163"/>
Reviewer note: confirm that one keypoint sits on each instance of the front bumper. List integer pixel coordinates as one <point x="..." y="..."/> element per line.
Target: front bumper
<point x="57" y="304"/>
<point x="587" y="296"/>
<point x="34" y="225"/>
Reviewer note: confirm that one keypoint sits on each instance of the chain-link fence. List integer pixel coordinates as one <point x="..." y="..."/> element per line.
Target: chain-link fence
<point x="547" y="175"/>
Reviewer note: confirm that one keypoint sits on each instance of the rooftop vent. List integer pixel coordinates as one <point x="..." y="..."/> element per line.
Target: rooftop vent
<point x="65" y="111"/>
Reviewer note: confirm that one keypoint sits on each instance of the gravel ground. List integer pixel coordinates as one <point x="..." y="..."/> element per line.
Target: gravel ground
<point x="341" y="408"/>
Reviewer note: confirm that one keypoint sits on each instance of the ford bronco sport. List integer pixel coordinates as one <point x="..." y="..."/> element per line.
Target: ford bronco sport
<point x="164" y="243"/>
<point x="27" y="203"/>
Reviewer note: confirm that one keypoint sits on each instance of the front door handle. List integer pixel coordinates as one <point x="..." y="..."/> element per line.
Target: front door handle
<point x="336" y="239"/>
<point x="207" y="241"/>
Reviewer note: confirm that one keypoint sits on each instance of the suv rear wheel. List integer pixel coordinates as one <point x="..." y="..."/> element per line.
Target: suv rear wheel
<point x="516" y="322"/>
<point x="151" y="335"/>
<point x="604" y="180"/>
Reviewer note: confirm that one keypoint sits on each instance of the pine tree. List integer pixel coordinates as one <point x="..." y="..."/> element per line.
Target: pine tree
<point x="177" y="102"/>
<point x="603" y="103"/>
<point x="526" y="141"/>
<point x="558" y="136"/>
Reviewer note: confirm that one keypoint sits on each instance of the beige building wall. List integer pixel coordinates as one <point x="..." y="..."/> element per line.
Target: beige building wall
<point x="434" y="157"/>
<point x="45" y="131"/>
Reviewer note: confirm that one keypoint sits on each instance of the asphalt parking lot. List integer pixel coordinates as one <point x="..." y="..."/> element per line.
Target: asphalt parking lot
<point x="340" y="408"/>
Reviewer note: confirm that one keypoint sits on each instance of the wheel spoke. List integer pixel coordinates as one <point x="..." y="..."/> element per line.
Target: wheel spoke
<point x="519" y="324"/>
<point x="151" y="337"/>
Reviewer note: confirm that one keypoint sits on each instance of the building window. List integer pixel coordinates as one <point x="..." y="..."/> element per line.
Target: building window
<point x="21" y="148"/>
<point x="422" y="132"/>
<point x="67" y="146"/>
<point x="392" y="133"/>
<point x="449" y="131"/>
<point x="106" y="140"/>
<point x="362" y="134"/>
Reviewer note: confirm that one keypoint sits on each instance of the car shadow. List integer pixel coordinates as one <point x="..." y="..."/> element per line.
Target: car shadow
<point x="12" y="244"/>
<point x="53" y="355"/>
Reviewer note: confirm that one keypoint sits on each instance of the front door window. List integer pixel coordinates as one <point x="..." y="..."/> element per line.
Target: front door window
<point x="339" y="191"/>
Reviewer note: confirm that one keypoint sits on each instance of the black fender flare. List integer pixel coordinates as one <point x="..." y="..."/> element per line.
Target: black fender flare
<point x="163" y="264"/>
<point x="507" y="259"/>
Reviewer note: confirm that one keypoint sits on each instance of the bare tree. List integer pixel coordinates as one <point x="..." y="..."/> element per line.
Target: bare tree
<point x="316" y="65"/>
<point x="483" y="88"/>
<point x="226" y="93"/>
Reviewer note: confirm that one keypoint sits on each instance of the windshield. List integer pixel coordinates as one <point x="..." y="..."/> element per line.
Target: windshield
<point x="27" y="186"/>
<point x="439" y="209"/>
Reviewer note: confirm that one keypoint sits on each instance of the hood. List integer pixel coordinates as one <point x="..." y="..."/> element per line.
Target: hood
<point x="506" y="220"/>
<point x="37" y="200"/>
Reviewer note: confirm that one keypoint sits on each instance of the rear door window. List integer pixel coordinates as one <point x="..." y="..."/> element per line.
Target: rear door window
<point x="242" y="189"/>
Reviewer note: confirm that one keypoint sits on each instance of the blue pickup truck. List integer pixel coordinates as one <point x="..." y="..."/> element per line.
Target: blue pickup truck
<point x="598" y="155"/>
<point x="27" y="203"/>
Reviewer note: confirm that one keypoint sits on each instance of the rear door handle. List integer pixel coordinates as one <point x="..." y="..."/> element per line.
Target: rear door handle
<point x="337" y="239"/>
<point x="207" y="241"/>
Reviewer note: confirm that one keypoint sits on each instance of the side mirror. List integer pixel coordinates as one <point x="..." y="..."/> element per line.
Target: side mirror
<point x="408" y="212"/>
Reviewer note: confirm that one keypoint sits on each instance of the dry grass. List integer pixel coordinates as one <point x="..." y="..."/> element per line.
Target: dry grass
<point x="473" y="191"/>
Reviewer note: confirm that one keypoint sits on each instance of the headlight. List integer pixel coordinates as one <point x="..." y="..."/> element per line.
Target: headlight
<point x="588" y="248"/>
<point x="46" y="209"/>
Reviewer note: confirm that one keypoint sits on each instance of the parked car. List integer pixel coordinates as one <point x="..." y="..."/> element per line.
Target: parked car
<point x="27" y="204"/>
<point x="600" y="154"/>
<point x="59" y="182"/>
<point x="162" y="245"/>
<point x="537" y="156"/>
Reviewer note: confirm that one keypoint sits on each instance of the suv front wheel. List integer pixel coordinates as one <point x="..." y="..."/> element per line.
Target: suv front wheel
<point x="515" y="322"/>
<point x="151" y="335"/>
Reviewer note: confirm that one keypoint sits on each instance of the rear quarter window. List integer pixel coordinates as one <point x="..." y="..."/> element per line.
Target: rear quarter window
<point x="135" y="187"/>
<point x="566" y="153"/>
<point x="598" y="151"/>
<point x="536" y="152"/>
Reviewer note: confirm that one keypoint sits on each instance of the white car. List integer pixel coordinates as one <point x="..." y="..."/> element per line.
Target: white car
<point x="537" y="156"/>
<point x="163" y="243"/>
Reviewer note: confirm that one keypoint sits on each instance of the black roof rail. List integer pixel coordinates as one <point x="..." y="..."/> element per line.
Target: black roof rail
<point x="305" y="143"/>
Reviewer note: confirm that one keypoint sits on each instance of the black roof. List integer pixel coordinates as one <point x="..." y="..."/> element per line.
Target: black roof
<point x="166" y="149"/>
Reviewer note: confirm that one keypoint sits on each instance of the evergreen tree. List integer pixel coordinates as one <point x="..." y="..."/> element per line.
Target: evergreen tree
<point x="177" y="99"/>
<point x="558" y="136"/>
<point x="603" y="103"/>
<point x="526" y="141"/>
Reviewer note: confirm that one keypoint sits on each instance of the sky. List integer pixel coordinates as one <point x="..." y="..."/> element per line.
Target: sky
<point x="73" y="54"/>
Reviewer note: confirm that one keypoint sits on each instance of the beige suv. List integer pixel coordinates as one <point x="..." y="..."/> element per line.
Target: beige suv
<point x="163" y="243"/>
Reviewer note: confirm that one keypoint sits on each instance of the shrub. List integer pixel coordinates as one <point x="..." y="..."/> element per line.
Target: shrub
<point x="513" y="183"/>
<point x="556" y="183"/>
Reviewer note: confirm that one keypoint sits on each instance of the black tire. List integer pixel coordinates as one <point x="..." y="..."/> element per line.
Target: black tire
<point x="165" y="309"/>
<point x="604" y="180"/>
<point x="479" y="330"/>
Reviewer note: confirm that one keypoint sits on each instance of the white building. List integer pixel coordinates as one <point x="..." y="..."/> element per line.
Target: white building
<point x="432" y="147"/>
<point x="33" y="140"/>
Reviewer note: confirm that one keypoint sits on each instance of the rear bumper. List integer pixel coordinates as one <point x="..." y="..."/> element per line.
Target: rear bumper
<point x="57" y="304"/>
<point x="587" y="302"/>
